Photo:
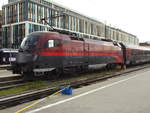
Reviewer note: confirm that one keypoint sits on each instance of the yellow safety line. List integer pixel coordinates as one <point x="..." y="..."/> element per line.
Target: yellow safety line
<point x="37" y="102"/>
<point x="25" y="108"/>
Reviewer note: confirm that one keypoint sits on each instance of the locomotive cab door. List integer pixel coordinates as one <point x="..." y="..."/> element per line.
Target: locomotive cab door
<point x="123" y="48"/>
<point x="86" y="53"/>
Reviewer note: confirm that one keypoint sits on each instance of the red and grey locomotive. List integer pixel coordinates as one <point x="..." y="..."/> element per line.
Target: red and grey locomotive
<point x="51" y="53"/>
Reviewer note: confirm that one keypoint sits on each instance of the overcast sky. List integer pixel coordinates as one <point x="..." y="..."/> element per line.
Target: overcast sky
<point x="129" y="15"/>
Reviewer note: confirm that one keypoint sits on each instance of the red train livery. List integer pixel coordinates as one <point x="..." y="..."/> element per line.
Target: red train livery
<point x="52" y="53"/>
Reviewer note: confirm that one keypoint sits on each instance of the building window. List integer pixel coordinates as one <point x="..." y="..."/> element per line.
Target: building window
<point x="3" y="17"/>
<point x="18" y="35"/>
<point x="45" y="14"/>
<point x="91" y="29"/>
<point x="22" y="12"/>
<point x="31" y="12"/>
<point x="53" y="20"/>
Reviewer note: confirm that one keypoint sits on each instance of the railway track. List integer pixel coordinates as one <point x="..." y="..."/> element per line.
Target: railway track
<point x="9" y="82"/>
<point x="37" y="94"/>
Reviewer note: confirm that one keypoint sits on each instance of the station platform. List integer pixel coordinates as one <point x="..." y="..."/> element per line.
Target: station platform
<point x="4" y="66"/>
<point x="6" y="73"/>
<point x="122" y="94"/>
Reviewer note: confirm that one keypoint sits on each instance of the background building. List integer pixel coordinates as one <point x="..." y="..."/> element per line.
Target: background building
<point x="21" y="17"/>
<point x="145" y="44"/>
<point x="0" y="28"/>
<point x="121" y="36"/>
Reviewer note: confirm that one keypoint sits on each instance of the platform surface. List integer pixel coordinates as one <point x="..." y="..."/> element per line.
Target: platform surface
<point x="123" y="94"/>
<point x="6" y="73"/>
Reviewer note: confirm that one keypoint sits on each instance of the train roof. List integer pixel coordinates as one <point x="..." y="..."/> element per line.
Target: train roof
<point x="44" y="32"/>
<point x="103" y="42"/>
<point x="137" y="47"/>
<point x="73" y="36"/>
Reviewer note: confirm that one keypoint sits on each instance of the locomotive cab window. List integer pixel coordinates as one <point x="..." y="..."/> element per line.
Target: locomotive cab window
<point x="30" y="42"/>
<point x="52" y="43"/>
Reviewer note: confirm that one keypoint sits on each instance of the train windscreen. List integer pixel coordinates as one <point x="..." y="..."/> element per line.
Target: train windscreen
<point x="29" y="42"/>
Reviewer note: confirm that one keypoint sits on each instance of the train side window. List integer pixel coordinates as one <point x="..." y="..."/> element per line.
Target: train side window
<point x="57" y="43"/>
<point x="50" y="43"/>
<point x="132" y="52"/>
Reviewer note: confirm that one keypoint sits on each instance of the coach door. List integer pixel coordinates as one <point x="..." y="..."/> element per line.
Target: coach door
<point x="86" y="52"/>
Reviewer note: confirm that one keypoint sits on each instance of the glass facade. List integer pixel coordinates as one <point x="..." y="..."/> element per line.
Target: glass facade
<point x="10" y="1"/>
<point x="17" y="32"/>
<point x="24" y="17"/>
<point x="34" y="27"/>
<point x="1" y="18"/>
<point x="14" y="13"/>
<point x="120" y="36"/>
<point x="68" y="22"/>
<point x="22" y="12"/>
<point x="6" y="37"/>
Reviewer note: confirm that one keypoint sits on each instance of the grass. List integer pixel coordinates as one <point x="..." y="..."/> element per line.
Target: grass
<point x="23" y="88"/>
<point x="40" y="84"/>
